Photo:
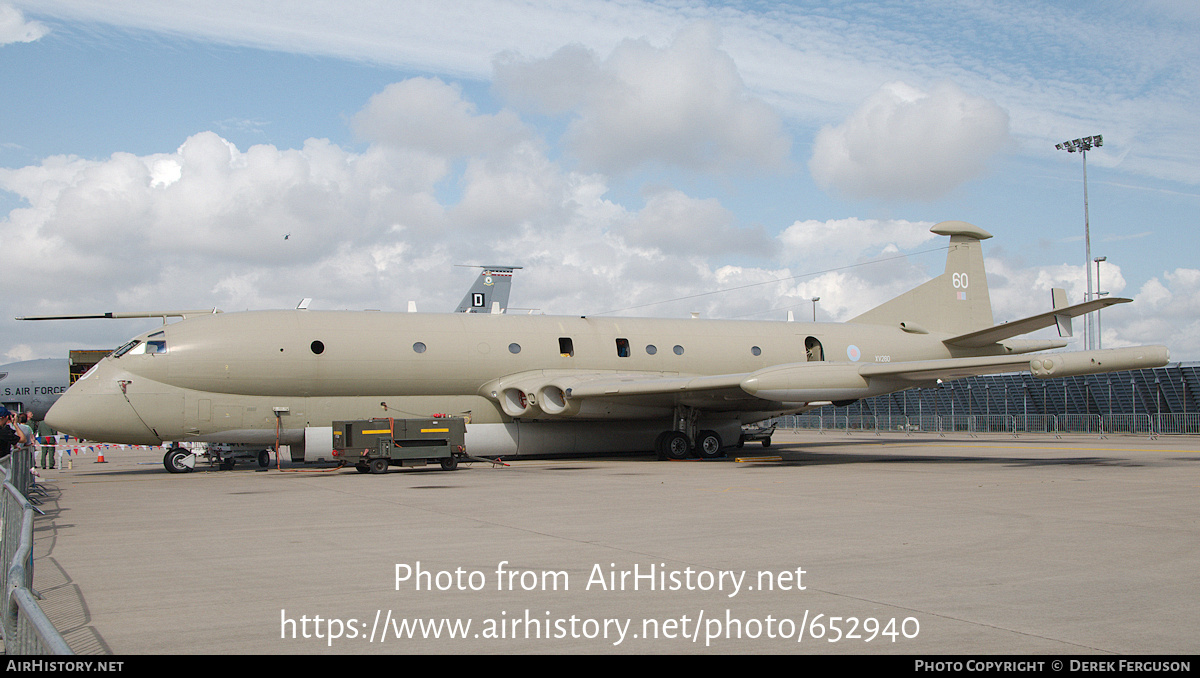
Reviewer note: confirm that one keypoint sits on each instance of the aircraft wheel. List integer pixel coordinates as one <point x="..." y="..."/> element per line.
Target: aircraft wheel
<point x="227" y="464"/>
<point x="450" y="463"/>
<point x="379" y="465"/>
<point x="362" y="468"/>
<point x="658" y="446"/>
<point x="675" y="445"/>
<point x="173" y="460"/>
<point x="766" y="442"/>
<point x="708" y="445"/>
<point x="264" y="458"/>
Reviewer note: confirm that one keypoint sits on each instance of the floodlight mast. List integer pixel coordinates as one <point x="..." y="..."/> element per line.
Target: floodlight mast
<point x="1083" y="145"/>
<point x="1099" y="332"/>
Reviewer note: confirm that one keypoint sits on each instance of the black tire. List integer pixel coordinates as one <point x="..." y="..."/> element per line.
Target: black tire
<point x="173" y="460"/>
<point x="675" y="445"/>
<point x="362" y="468"/>
<point x="708" y="445"/>
<point x="658" y="446"/>
<point x="227" y="464"/>
<point x="379" y="465"/>
<point x="450" y="463"/>
<point x="264" y="458"/>
<point x="766" y="442"/>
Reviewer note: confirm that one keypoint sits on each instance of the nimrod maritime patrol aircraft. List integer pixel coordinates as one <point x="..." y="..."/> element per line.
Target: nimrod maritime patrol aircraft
<point x="557" y="385"/>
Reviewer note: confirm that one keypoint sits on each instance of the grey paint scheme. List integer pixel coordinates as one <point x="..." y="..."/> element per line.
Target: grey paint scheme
<point x="554" y="384"/>
<point x="33" y="385"/>
<point x="490" y="290"/>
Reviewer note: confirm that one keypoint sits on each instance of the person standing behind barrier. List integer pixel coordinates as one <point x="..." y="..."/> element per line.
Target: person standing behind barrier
<point x="23" y="421"/>
<point x="47" y="435"/>
<point x="10" y="434"/>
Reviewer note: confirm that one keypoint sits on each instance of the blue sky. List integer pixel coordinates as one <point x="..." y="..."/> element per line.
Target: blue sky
<point x="153" y="155"/>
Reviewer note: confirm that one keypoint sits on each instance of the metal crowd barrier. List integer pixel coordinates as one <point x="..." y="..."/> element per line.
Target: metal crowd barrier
<point x="26" y="628"/>
<point x="1152" y="425"/>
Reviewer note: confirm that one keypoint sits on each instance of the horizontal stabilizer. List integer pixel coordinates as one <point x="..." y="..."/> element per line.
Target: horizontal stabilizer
<point x="996" y="333"/>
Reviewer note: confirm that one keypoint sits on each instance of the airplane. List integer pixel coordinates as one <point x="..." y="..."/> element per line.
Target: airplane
<point x="33" y="385"/>
<point x="543" y="384"/>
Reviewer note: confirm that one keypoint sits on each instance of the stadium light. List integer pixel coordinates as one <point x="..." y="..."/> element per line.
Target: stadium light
<point x="1082" y="145"/>
<point x="1099" y="334"/>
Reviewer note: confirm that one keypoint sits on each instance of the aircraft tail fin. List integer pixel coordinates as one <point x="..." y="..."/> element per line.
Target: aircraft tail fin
<point x="956" y="302"/>
<point x="489" y="294"/>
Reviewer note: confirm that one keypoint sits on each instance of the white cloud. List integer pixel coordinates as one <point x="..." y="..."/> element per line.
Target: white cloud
<point x="1165" y="310"/>
<point x="907" y="144"/>
<point x="139" y="230"/>
<point x="14" y="27"/>
<point x="19" y="352"/>
<point x="674" y="222"/>
<point x="426" y="114"/>
<point x="1059" y="70"/>
<point x="683" y="105"/>
<point x="846" y="240"/>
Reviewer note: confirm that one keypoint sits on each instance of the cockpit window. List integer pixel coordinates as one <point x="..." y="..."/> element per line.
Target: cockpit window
<point x="125" y="349"/>
<point x="155" y="343"/>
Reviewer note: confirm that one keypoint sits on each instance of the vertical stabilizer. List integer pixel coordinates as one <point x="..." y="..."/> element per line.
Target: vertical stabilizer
<point x="1058" y="299"/>
<point x="957" y="301"/>
<point x="490" y="290"/>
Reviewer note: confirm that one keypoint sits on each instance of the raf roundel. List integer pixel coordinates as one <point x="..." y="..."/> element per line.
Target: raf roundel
<point x="853" y="353"/>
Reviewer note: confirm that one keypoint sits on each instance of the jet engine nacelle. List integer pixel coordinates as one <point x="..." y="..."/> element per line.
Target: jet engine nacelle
<point x="552" y="398"/>
<point x="531" y="400"/>
<point x="517" y="401"/>
<point x="534" y="394"/>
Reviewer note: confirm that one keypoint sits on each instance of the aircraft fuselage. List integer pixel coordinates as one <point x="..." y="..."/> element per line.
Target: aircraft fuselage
<point x="225" y="376"/>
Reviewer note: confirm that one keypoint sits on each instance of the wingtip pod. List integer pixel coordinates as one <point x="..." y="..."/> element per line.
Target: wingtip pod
<point x="1092" y="362"/>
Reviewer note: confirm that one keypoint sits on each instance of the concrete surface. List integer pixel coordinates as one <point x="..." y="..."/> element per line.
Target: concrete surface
<point x="967" y="545"/>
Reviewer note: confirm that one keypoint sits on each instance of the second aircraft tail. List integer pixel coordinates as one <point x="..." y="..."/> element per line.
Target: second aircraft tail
<point x="489" y="294"/>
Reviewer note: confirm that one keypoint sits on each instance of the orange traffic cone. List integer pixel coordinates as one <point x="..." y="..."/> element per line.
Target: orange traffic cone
<point x="100" y="456"/>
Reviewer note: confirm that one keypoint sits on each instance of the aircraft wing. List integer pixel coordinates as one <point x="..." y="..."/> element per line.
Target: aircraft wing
<point x="991" y="335"/>
<point x="562" y="393"/>
<point x="608" y="385"/>
<point x="140" y="314"/>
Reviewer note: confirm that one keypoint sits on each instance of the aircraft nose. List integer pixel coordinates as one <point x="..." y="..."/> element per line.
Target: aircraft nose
<point x="95" y="409"/>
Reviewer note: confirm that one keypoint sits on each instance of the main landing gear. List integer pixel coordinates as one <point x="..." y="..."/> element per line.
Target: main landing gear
<point x="678" y="444"/>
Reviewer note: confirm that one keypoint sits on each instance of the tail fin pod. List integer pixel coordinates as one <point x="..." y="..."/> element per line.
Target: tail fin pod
<point x="955" y="302"/>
